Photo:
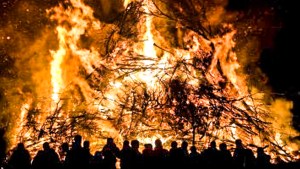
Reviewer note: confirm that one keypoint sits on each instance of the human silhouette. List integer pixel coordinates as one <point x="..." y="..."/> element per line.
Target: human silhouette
<point x="262" y="159"/>
<point x="185" y="153"/>
<point x="243" y="157"/>
<point x="110" y="154"/>
<point x="20" y="158"/>
<point x="160" y="155"/>
<point x="75" y="157"/>
<point x="87" y="156"/>
<point x="64" y="150"/>
<point x="194" y="158"/>
<point x="226" y="159"/>
<point x="137" y="155"/>
<point x="46" y="158"/>
<point x="3" y="147"/>
<point x="147" y="156"/>
<point x="176" y="156"/>
<point x="126" y="155"/>
<point x="97" y="160"/>
<point x="211" y="156"/>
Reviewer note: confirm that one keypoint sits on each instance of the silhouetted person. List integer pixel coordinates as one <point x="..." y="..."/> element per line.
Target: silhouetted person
<point x="20" y="158"/>
<point x="147" y="156"/>
<point x="176" y="156"/>
<point x="97" y="161"/>
<point x="75" y="157"/>
<point x="262" y="159"/>
<point x="184" y="148"/>
<point x="194" y="158"/>
<point x="211" y="156"/>
<point x="185" y="153"/>
<point x="226" y="160"/>
<point x="137" y="155"/>
<point x="126" y="156"/>
<point x="160" y="155"/>
<point x="64" y="150"/>
<point x="110" y="154"/>
<point x="243" y="157"/>
<point x="3" y="147"/>
<point x="87" y="156"/>
<point x="174" y="148"/>
<point x="250" y="159"/>
<point x="46" y="158"/>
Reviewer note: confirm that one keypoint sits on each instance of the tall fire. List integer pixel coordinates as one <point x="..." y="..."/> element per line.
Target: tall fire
<point x="141" y="69"/>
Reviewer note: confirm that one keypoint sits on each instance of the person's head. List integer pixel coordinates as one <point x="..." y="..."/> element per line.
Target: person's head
<point x="184" y="145"/>
<point x="193" y="149"/>
<point x="213" y="144"/>
<point x="148" y="146"/>
<point x="109" y="140"/>
<point x="20" y="146"/>
<point x="86" y="144"/>
<point x="126" y="143"/>
<point x="174" y="144"/>
<point x="46" y="146"/>
<point x="158" y="143"/>
<point x="2" y="132"/>
<point x="65" y="147"/>
<point x="238" y="143"/>
<point x="260" y="150"/>
<point x="135" y="144"/>
<point x="223" y="146"/>
<point x="78" y="139"/>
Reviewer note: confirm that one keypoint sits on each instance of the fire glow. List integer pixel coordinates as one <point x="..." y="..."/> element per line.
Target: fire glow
<point x="142" y="86"/>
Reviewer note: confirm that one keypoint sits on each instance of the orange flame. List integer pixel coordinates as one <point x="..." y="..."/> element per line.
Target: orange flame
<point x="128" y="77"/>
<point x="56" y="72"/>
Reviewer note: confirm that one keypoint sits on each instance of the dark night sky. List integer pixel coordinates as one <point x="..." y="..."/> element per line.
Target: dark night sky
<point x="280" y="60"/>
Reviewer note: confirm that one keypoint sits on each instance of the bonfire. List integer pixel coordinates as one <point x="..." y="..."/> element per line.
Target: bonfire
<point x="149" y="69"/>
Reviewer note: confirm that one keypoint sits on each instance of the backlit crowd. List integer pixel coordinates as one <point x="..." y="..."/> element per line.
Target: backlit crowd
<point x="132" y="155"/>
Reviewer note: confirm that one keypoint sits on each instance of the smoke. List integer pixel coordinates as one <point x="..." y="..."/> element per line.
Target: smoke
<point x="281" y="109"/>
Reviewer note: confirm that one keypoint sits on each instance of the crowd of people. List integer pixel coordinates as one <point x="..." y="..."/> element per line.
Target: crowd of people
<point x="78" y="156"/>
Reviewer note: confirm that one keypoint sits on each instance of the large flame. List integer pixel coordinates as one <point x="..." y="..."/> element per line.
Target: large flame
<point x="56" y="72"/>
<point x="126" y="91"/>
